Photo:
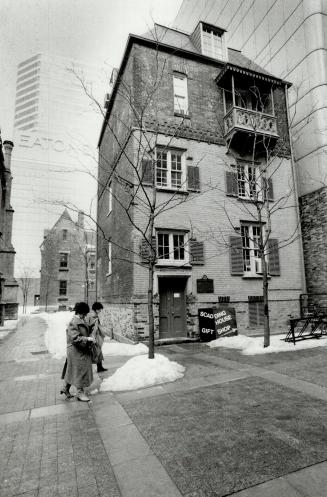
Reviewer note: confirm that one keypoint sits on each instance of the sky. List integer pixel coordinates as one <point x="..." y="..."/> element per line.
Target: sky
<point x="92" y="31"/>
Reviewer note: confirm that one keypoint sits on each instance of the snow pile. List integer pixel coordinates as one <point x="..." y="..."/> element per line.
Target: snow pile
<point x="55" y="335"/>
<point x="141" y="372"/>
<point x="117" y="348"/>
<point x="254" y="345"/>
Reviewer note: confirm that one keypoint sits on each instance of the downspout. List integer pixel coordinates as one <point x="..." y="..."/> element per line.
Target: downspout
<point x="295" y="183"/>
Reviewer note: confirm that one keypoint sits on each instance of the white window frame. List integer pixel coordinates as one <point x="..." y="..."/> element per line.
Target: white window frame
<point x="60" y="254"/>
<point x="171" y="251"/>
<point x="109" y="272"/>
<point x="212" y="36"/>
<point x="249" y="182"/>
<point x="109" y="198"/>
<point x="66" y="288"/>
<point x="170" y="162"/>
<point x="180" y="94"/>
<point x="252" y="264"/>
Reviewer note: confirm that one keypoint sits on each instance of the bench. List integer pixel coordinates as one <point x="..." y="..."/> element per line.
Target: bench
<point x="311" y="326"/>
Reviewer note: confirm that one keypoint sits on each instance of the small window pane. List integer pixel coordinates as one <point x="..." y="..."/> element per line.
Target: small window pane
<point x="161" y="173"/>
<point x="64" y="234"/>
<point x="178" y="243"/>
<point x="62" y="287"/>
<point x="163" y="246"/>
<point x="63" y="260"/>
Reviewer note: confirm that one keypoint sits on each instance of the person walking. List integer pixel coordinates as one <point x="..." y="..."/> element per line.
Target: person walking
<point x="98" y="333"/>
<point x="78" y="368"/>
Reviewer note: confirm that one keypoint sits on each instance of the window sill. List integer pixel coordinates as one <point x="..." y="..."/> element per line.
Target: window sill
<point x="171" y="190"/>
<point x="254" y="276"/>
<point x="180" y="114"/>
<point x="63" y="269"/>
<point x="174" y="265"/>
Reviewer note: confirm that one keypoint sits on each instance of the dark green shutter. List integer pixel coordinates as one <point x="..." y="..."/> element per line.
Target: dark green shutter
<point x="236" y="256"/>
<point x="193" y="178"/>
<point x="197" y="252"/>
<point x="269" y="190"/>
<point x="273" y="257"/>
<point x="231" y="183"/>
<point x="146" y="171"/>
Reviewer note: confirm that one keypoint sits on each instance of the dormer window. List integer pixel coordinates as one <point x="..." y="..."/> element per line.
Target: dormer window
<point x="212" y="42"/>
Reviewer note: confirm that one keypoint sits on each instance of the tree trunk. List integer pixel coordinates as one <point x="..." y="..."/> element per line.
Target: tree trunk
<point x="150" y="312"/>
<point x="266" y="341"/>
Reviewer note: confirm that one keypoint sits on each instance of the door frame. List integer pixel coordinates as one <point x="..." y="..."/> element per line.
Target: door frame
<point x="184" y="277"/>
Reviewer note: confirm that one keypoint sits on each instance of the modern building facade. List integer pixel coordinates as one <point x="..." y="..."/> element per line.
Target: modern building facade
<point x="205" y="157"/>
<point x="287" y="38"/>
<point x="68" y="264"/>
<point x="8" y="284"/>
<point x="55" y="131"/>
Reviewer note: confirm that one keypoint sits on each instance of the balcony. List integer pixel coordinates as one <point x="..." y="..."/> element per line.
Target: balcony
<point x="250" y="122"/>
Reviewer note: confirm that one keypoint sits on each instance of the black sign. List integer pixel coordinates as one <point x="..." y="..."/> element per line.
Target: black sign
<point x="215" y="322"/>
<point x="206" y="325"/>
<point x="225" y="321"/>
<point x="204" y="285"/>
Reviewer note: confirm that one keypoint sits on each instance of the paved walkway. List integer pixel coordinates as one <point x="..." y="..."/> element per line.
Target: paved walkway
<point x="51" y="447"/>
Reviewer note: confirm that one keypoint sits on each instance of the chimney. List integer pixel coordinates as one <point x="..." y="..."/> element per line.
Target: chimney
<point x="7" y="147"/>
<point x="80" y="220"/>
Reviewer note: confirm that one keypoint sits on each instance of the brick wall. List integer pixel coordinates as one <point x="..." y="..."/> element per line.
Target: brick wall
<point x="313" y="208"/>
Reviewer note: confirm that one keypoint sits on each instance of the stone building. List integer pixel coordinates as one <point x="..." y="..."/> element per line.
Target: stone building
<point x="288" y="38"/>
<point x="189" y="127"/>
<point x="8" y="284"/>
<point x="67" y="264"/>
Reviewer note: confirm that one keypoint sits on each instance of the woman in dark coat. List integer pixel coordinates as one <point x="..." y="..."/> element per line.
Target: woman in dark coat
<point x="79" y="359"/>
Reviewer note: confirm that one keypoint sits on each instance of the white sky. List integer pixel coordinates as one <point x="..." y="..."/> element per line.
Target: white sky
<point x="94" y="31"/>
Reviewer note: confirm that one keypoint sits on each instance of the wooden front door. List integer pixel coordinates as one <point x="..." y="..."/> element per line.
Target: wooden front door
<point x="172" y="307"/>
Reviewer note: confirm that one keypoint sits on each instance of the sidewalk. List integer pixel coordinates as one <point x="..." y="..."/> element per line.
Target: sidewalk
<point x="234" y="425"/>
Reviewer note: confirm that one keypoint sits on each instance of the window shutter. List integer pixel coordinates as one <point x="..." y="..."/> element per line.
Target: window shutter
<point x="193" y="178"/>
<point x="147" y="171"/>
<point x="273" y="257"/>
<point x="236" y="256"/>
<point x="197" y="252"/>
<point x="231" y="183"/>
<point x="145" y="250"/>
<point x="270" y="189"/>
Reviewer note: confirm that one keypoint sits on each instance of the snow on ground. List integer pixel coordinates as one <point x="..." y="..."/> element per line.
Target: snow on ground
<point x="118" y="348"/>
<point x="141" y="372"/>
<point x="254" y="345"/>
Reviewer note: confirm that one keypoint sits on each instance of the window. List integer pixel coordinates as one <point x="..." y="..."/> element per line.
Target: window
<point x="249" y="182"/>
<point x="109" y="198"/>
<point x="64" y="234"/>
<point x="109" y="259"/>
<point x="211" y="43"/>
<point x="63" y="260"/>
<point x="170" y="169"/>
<point x="180" y="94"/>
<point x="171" y="248"/>
<point x="250" y="247"/>
<point x="62" y="287"/>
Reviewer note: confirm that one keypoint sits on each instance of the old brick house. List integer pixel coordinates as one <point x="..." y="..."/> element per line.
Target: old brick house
<point x="189" y="126"/>
<point x="8" y="284"/>
<point x="67" y="264"/>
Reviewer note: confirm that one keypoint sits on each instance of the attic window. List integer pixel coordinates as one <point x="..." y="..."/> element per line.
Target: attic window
<point x="212" y="44"/>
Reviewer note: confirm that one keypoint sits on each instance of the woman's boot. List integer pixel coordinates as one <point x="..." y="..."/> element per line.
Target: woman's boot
<point x="100" y="368"/>
<point x="66" y="391"/>
<point x="81" y="395"/>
